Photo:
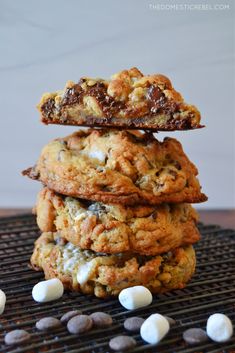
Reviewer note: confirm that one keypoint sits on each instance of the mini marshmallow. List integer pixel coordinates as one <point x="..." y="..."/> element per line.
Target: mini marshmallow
<point x="100" y="155"/>
<point x="154" y="328"/>
<point x="97" y="154"/>
<point x="84" y="272"/>
<point x="46" y="291"/>
<point x="2" y="301"/>
<point x="135" y="297"/>
<point x="219" y="328"/>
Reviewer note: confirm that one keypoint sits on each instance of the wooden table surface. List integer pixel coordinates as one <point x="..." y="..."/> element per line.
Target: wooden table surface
<point x="225" y="218"/>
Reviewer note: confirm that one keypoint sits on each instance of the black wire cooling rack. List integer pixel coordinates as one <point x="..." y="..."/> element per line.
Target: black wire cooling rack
<point x="211" y="290"/>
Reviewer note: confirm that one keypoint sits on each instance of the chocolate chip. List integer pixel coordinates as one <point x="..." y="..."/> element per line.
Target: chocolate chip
<point x="79" y="324"/>
<point x="158" y="102"/>
<point x="101" y="319"/>
<point x="48" y="323"/>
<point x="73" y="95"/>
<point x="98" y="209"/>
<point x="133" y="323"/>
<point x="154" y="93"/>
<point x="108" y="104"/>
<point x="67" y="316"/>
<point x="170" y="320"/>
<point x="48" y="107"/>
<point x="122" y="343"/>
<point x="16" y="337"/>
<point x="195" y="336"/>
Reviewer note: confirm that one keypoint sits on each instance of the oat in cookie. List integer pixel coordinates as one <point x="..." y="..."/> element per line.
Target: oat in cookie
<point x="114" y="166"/>
<point x="128" y="100"/>
<point x="105" y="275"/>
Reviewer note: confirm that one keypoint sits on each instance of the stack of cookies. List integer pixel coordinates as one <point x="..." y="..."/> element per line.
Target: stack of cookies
<point x="115" y="208"/>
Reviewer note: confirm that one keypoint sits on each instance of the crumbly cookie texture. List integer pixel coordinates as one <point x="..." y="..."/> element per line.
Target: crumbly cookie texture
<point x="104" y="275"/>
<point x="128" y="100"/>
<point x="115" y="166"/>
<point x="111" y="228"/>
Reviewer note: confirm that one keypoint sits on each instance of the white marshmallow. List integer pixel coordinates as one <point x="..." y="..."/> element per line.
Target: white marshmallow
<point x="219" y="328"/>
<point x="84" y="272"/>
<point x="135" y="297"/>
<point x="100" y="155"/>
<point x="154" y="328"/>
<point x="95" y="153"/>
<point x="2" y="301"/>
<point x="46" y="291"/>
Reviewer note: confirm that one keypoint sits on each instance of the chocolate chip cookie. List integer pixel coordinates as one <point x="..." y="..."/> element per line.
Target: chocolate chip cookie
<point x="113" y="228"/>
<point x="113" y="166"/>
<point x="128" y="100"/>
<point x="104" y="275"/>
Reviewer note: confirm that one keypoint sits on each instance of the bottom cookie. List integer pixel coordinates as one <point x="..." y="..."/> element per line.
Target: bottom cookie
<point x="105" y="275"/>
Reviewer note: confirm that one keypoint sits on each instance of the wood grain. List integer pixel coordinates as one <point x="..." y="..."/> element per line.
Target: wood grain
<point x="225" y="218"/>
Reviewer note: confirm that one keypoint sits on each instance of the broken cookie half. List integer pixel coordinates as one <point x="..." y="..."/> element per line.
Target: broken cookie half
<point x="129" y="100"/>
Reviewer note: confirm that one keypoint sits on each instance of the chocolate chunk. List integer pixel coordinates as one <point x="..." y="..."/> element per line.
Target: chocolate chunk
<point x="158" y="102"/>
<point x="122" y="343"/>
<point x="156" y="98"/>
<point x="73" y="95"/>
<point x="48" y="323"/>
<point x="154" y="93"/>
<point x="133" y="323"/>
<point x="107" y="104"/>
<point x="16" y="337"/>
<point x="48" y="107"/>
<point x="67" y="316"/>
<point x="101" y="319"/>
<point x="79" y="324"/>
<point x="170" y="320"/>
<point x="195" y="336"/>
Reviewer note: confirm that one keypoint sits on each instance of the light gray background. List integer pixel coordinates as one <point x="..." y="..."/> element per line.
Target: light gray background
<point x="44" y="43"/>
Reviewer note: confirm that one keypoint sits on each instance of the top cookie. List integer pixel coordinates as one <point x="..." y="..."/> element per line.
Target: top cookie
<point x="129" y="100"/>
